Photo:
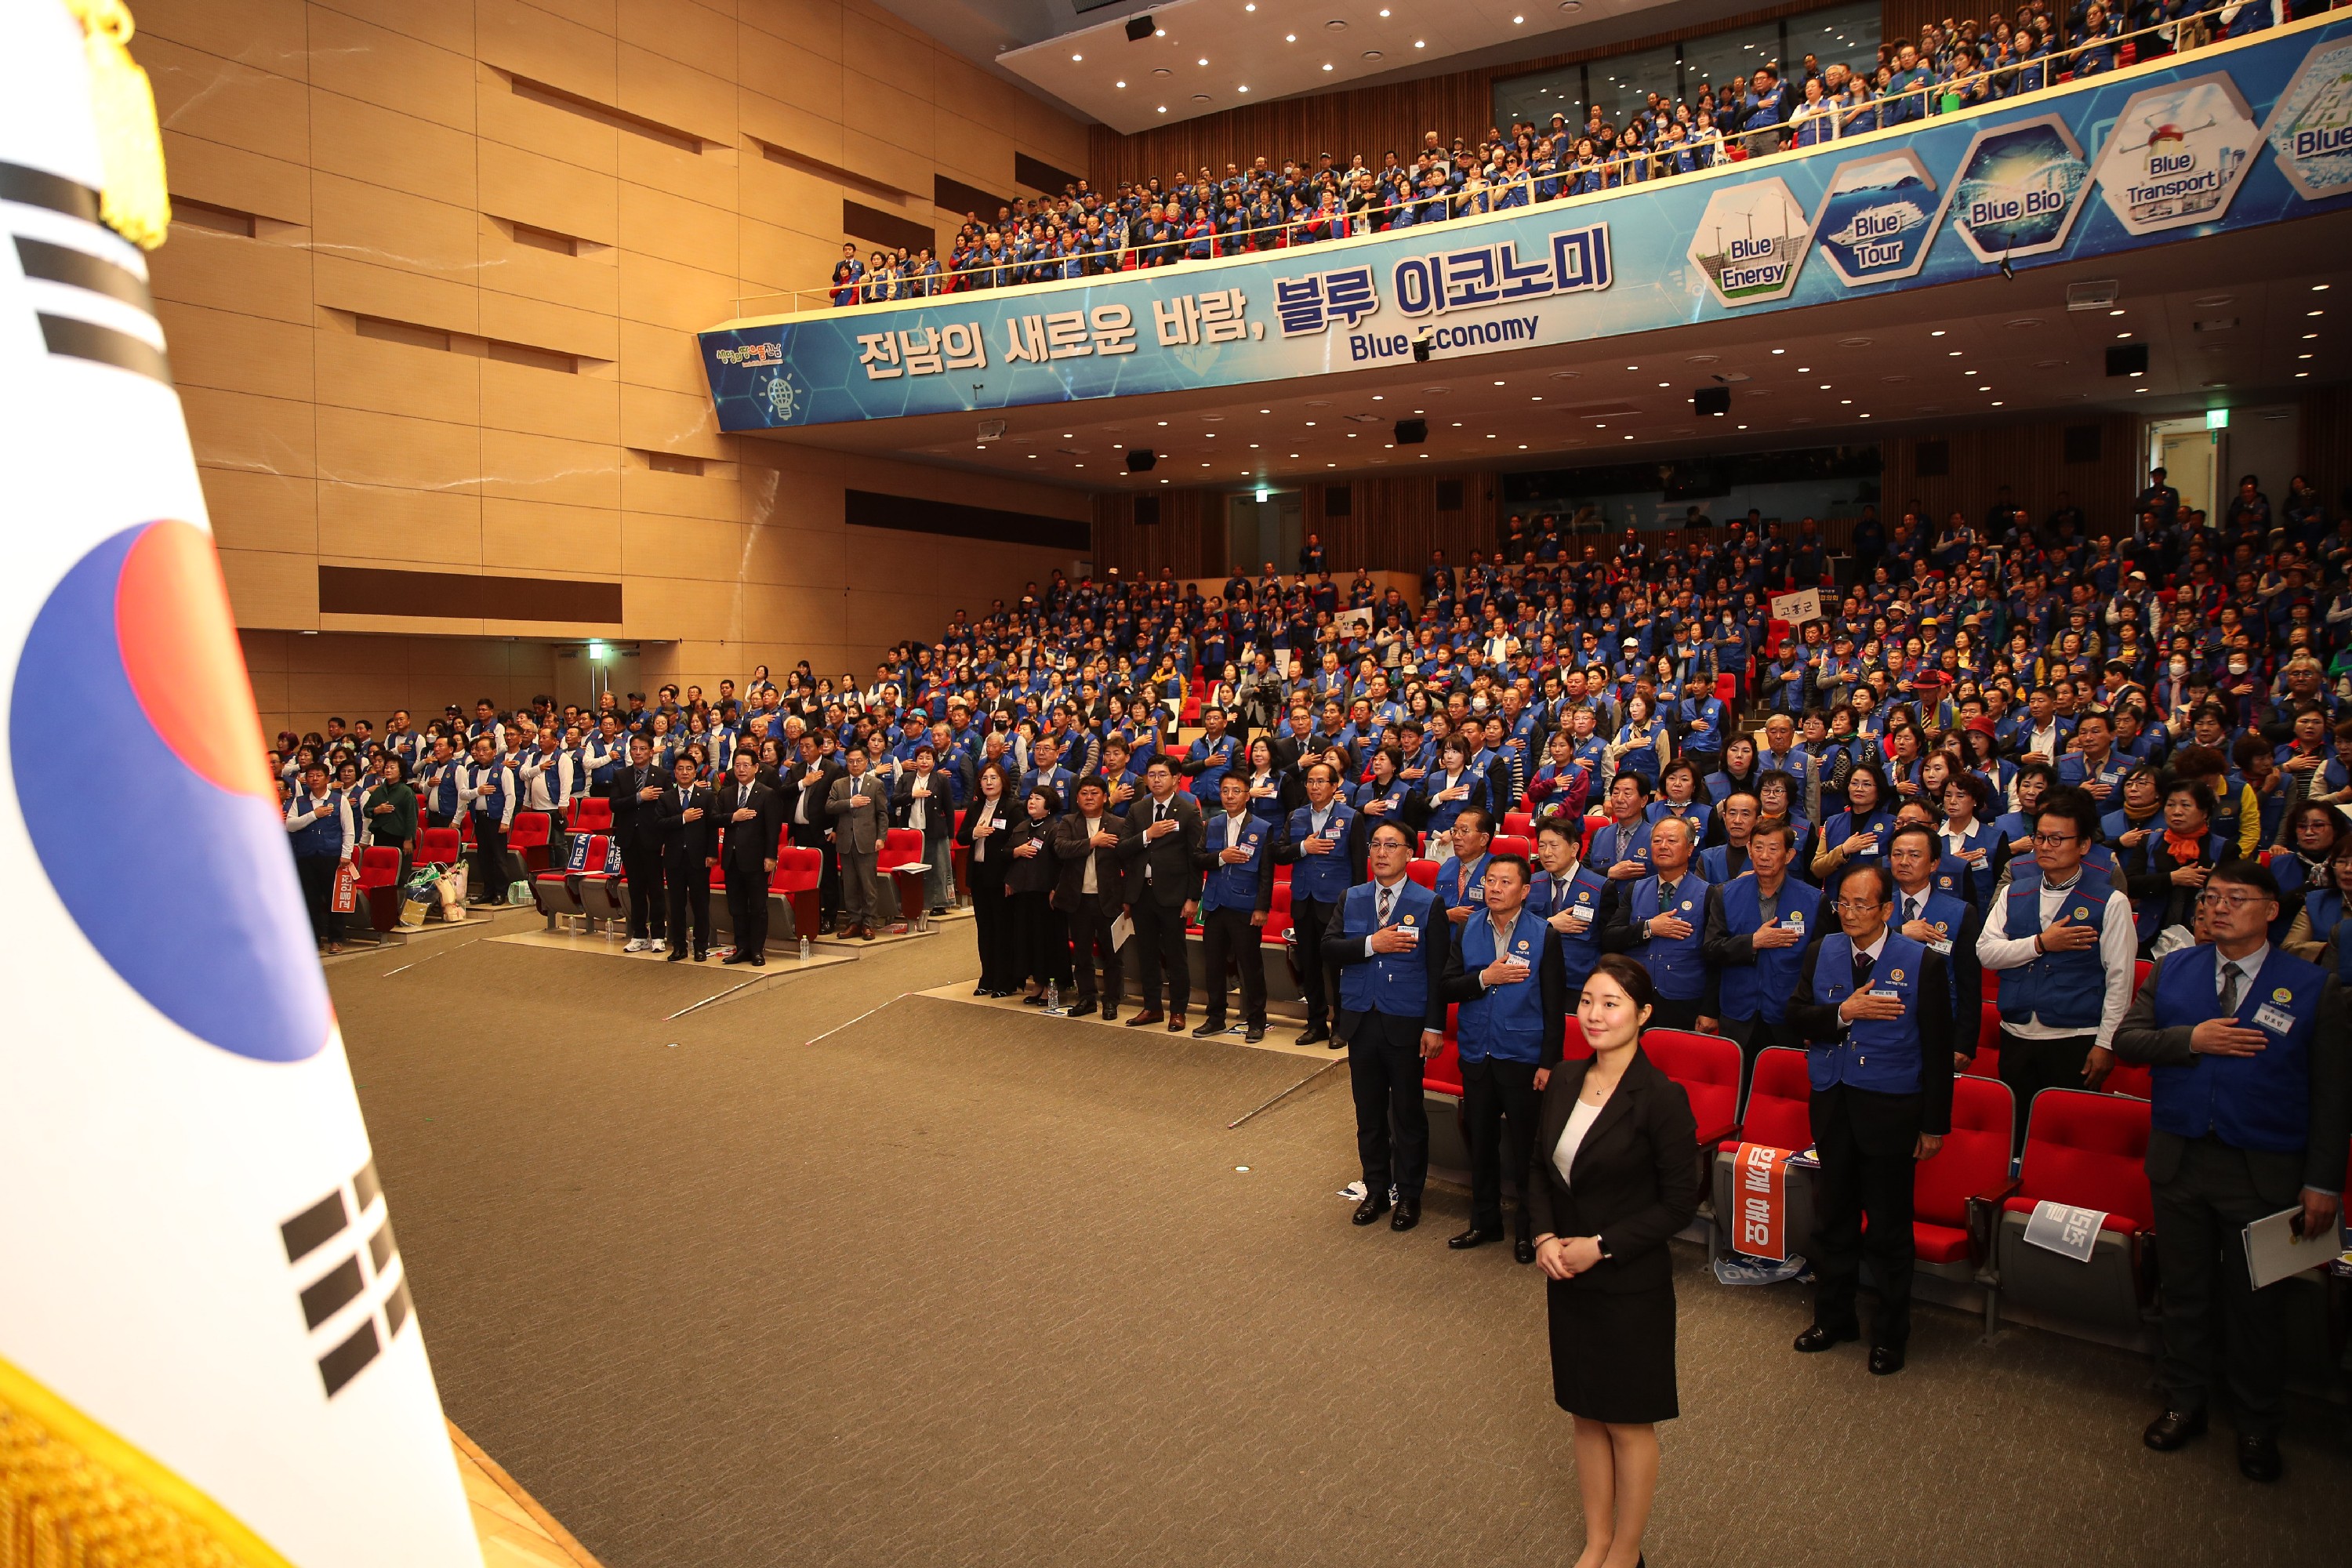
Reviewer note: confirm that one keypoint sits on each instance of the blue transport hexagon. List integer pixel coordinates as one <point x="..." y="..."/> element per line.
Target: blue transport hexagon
<point x="1877" y="217"/>
<point x="2177" y="154"/>
<point x="2310" y="129"/>
<point x="1751" y="242"/>
<point x="2019" y="189"/>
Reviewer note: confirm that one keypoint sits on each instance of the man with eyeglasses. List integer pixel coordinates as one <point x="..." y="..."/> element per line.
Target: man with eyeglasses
<point x="2062" y="939"/>
<point x="2251" y="1087"/>
<point x="1874" y="1008"/>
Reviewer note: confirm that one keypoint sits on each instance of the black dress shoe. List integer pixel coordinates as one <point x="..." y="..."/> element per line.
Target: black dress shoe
<point x="1036" y="1001"/>
<point x="1148" y="1015"/>
<point x="1524" y="1250"/>
<point x="675" y="956"/>
<point x="1371" y="1208"/>
<point x="1885" y="1361"/>
<point x="1469" y="1239"/>
<point x="2174" y="1429"/>
<point x="1407" y="1215"/>
<point x="2258" y="1458"/>
<point x="1213" y="1027"/>
<point x="1817" y="1338"/>
<point x="741" y="955"/>
<point x="981" y="990"/>
<point x="1110" y="1013"/>
<point x="1001" y="992"/>
<point x="1084" y="1007"/>
<point x="1314" y="1036"/>
<point x="1254" y="1034"/>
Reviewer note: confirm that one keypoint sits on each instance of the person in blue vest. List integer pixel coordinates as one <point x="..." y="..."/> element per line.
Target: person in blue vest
<point x="1453" y="787"/>
<point x="1701" y="721"/>
<point x="1966" y="838"/>
<point x="2165" y="872"/>
<point x="321" y="827"/>
<point x="1570" y="897"/>
<point x="1458" y="895"/>
<point x="1874" y="1007"/>
<point x="1237" y="864"/>
<point x="1756" y="930"/>
<point x="2062" y="940"/>
<point x="1387" y="938"/>
<point x="486" y="793"/>
<point x="1736" y="816"/>
<point x="1858" y="835"/>
<point x="1211" y="756"/>
<point x="1659" y="921"/>
<point x="1314" y="845"/>
<point x="436" y="784"/>
<point x="2250" y="1105"/>
<point x="1931" y="907"/>
<point x="1620" y="849"/>
<point x="2095" y="763"/>
<point x="1504" y="971"/>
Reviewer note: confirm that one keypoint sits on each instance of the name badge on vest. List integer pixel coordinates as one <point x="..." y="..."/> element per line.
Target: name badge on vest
<point x="2272" y="1015"/>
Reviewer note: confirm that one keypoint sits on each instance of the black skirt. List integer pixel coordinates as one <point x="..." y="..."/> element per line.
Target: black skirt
<point x="1613" y="1355"/>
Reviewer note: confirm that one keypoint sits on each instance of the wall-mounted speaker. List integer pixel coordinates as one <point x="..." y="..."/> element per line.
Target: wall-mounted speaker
<point x="1140" y="29"/>
<point x="1336" y="501"/>
<point x="1147" y="512"/>
<point x="1141" y="459"/>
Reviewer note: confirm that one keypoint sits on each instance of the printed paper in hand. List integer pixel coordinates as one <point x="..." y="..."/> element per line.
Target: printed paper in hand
<point x="1120" y="930"/>
<point x="2273" y="1251"/>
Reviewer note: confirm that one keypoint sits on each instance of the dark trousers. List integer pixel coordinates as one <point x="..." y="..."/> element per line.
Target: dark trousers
<point x="1317" y="977"/>
<point x="1498" y="1109"/>
<point x="2214" y="1320"/>
<point x="1091" y="945"/>
<point x="1160" y="949"/>
<point x="992" y="921"/>
<point x="1041" y="939"/>
<point x="687" y="880"/>
<point x="1866" y="1142"/>
<point x="747" y="906"/>
<point x="1228" y="934"/>
<point x="489" y="881"/>
<point x="2028" y="1067"/>
<point x="641" y="863"/>
<point x="1384" y="1070"/>
<point x="1672" y="1014"/>
<point x="317" y="876"/>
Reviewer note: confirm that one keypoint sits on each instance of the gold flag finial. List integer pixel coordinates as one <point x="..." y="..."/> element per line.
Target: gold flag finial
<point x="135" y="202"/>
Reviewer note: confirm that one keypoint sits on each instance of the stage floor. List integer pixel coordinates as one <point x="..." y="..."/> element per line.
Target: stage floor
<point x="846" y="1274"/>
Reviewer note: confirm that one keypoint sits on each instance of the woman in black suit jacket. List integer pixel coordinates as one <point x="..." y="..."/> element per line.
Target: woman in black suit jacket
<point x="1625" y="1133"/>
<point x="986" y="830"/>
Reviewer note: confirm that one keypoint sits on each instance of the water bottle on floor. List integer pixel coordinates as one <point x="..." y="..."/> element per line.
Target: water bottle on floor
<point x="1053" y="996"/>
<point x="804" y="950"/>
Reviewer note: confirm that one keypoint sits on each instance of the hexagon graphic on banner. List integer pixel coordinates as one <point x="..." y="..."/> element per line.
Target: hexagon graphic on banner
<point x="2177" y="154"/>
<point x="2310" y="129"/>
<point x="1751" y="242"/>
<point x="1878" y="218"/>
<point x="2018" y="190"/>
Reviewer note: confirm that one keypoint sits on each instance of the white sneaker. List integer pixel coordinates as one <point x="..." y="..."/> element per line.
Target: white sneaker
<point x="635" y="944"/>
<point x="658" y="945"/>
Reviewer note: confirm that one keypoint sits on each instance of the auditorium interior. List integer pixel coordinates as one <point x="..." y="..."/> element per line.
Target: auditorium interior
<point x="521" y="363"/>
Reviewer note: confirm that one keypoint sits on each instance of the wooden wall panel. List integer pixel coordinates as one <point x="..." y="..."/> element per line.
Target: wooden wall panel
<point x="2326" y="455"/>
<point x="2030" y="459"/>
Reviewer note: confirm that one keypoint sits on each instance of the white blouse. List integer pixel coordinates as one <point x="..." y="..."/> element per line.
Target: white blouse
<point x="1572" y="1137"/>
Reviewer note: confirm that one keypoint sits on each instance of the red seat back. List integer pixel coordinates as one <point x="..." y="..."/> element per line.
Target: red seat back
<point x="1780" y="1102"/>
<point x="1726" y="690"/>
<point x="2129" y="1078"/>
<point x="2086" y="1150"/>
<point x="438" y="847"/>
<point x="1520" y="823"/>
<point x="531" y="830"/>
<point x="798" y="869"/>
<point x="1513" y="844"/>
<point x="2139" y="974"/>
<point x="379" y="866"/>
<point x="591" y="814"/>
<point x="1986" y="1062"/>
<point x="899" y="846"/>
<point x="1573" y="1046"/>
<point x="1422" y="871"/>
<point x="1975" y="1156"/>
<point x="1707" y="1065"/>
<point x="1444" y="1070"/>
<point x="1593" y="825"/>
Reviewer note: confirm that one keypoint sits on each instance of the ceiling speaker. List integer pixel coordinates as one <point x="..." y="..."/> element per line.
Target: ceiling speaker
<point x="1140" y="29"/>
<point x="1139" y="460"/>
<point x="1709" y="400"/>
<point x="1412" y="432"/>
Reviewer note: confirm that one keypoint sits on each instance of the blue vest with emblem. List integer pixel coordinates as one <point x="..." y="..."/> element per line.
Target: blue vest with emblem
<point x="1505" y="1022"/>
<point x="322" y="839"/>
<point x="1321" y="877"/>
<point x="1676" y="967"/>
<point x="1452" y="880"/>
<point x="1881" y="1055"/>
<point x="2065" y="990"/>
<point x="1605" y="851"/>
<point x="1762" y="989"/>
<point x="1946" y="909"/>
<point x="1396" y="983"/>
<point x="2262" y="1101"/>
<point x="1233" y="886"/>
<point x="1580" y="954"/>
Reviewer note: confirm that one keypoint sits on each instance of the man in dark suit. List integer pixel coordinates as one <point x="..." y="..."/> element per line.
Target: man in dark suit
<point x="1874" y="1008"/>
<point x="635" y="792"/>
<point x="1157" y="842"/>
<point x="2250" y="1101"/>
<point x="1090" y="890"/>
<point x="808" y="783"/>
<point x="750" y="813"/>
<point x="1388" y="938"/>
<point x="689" y="848"/>
<point x="859" y="805"/>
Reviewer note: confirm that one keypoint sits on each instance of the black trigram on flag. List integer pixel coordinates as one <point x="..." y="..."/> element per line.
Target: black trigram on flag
<point x="79" y="274"/>
<point x="358" y="1300"/>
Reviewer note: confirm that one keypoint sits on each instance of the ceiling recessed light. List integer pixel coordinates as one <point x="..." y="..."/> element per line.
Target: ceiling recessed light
<point x="1241" y="89"/>
<point x="1371" y="54"/>
<point x="1516" y="20"/>
<point x="1779" y="351"/>
<point x="1937" y="334"/>
<point x="1163" y="109"/>
<point x="1122" y="84"/>
<point x="2314" y="312"/>
<point x="1204" y="59"/>
<point x="1199" y="97"/>
<point x="1078" y="57"/>
<point x="2319" y="288"/>
<point x="1326" y="65"/>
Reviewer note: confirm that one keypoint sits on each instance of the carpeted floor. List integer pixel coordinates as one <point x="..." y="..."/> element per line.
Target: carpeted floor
<point x="957" y="1284"/>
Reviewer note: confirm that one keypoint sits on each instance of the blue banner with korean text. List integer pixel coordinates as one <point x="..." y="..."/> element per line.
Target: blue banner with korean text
<point x="2249" y="134"/>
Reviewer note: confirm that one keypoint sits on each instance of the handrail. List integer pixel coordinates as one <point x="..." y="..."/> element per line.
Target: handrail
<point x="1610" y="173"/>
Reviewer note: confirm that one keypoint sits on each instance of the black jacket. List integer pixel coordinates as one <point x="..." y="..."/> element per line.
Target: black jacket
<point x="688" y="843"/>
<point x="634" y="818"/>
<point x="1636" y="1173"/>
<point x="1036" y="873"/>
<point x="748" y="846"/>
<point x="1174" y="881"/>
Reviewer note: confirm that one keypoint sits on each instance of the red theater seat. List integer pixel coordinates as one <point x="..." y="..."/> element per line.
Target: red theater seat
<point x="528" y="840"/>
<point x="1573" y="1046"/>
<point x="438" y="847"/>
<point x="589" y="813"/>
<point x="1521" y="824"/>
<point x="798" y="873"/>
<point x="379" y="867"/>
<point x="1986" y="1062"/>
<point x="1443" y="1072"/>
<point x="2084" y="1149"/>
<point x="1707" y="1067"/>
<point x="2128" y="1078"/>
<point x="1953" y="1194"/>
<point x="1779" y="1111"/>
<point x="1513" y="844"/>
<point x="1422" y="871"/>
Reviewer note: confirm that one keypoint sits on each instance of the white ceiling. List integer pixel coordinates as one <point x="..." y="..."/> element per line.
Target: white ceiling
<point x="1208" y="56"/>
<point x="2228" y="319"/>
